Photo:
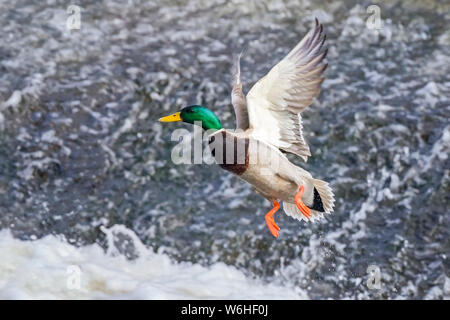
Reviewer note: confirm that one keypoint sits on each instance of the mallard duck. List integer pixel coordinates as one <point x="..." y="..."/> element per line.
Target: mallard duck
<point x="269" y="124"/>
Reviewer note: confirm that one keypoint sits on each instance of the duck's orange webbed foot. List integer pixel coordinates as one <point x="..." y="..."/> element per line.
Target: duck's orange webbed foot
<point x="269" y="219"/>
<point x="300" y="205"/>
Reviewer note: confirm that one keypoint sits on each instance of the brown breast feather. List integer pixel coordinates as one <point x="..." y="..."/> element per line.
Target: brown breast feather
<point x="233" y="155"/>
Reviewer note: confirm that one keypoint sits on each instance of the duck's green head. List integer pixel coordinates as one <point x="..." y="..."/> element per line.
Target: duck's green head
<point x="193" y="114"/>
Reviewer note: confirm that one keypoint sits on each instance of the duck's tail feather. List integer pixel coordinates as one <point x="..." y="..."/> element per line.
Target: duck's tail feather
<point x="323" y="196"/>
<point x="291" y="210"/>
<point x="323" y="203"/>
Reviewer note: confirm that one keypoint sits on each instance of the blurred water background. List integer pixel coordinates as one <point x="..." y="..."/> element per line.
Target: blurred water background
<point x="83" y="158"/>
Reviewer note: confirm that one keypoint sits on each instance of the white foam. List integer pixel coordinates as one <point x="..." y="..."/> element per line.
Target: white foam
<point x="47" y="269"/>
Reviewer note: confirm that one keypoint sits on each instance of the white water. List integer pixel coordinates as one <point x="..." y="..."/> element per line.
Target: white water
<point x="48" y="268"/>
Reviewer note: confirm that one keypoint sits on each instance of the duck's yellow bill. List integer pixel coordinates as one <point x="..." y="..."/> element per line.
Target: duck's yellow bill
<point x="172" y="118"/>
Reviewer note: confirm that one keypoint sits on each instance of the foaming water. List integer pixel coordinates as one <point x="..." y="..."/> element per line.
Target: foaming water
<point x="50" y="268"/>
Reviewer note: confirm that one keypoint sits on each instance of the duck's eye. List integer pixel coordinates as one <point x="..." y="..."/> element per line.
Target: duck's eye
<point x="190" y="111"/>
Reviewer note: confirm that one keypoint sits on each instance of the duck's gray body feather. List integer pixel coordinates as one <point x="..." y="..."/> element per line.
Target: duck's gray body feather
<point x="270" y="172"/>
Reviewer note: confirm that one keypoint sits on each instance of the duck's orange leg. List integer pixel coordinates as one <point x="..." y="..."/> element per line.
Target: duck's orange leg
<point x="300" y="205"/>
<point x="269" y="219"/>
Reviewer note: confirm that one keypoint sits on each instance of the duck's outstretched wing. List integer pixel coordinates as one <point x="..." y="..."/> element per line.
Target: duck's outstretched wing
<point x="276" y="100"/>
<point x="238" y="99"/>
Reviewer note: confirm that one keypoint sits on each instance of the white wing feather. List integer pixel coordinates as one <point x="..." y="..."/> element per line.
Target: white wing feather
<point x="274" y="103"/>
